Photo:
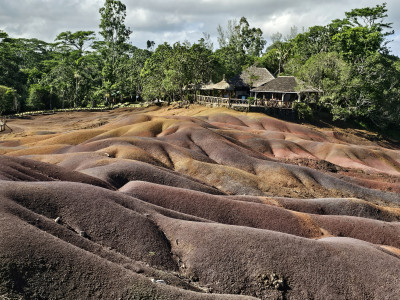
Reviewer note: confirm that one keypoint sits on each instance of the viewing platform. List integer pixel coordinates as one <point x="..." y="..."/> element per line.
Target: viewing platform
<point x="243" y="103"/>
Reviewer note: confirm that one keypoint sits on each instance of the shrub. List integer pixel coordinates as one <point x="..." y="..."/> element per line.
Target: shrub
<point x="303" y="110"/>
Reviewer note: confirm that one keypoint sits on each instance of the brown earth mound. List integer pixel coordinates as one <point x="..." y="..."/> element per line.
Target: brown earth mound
<point x="20" y="169"/>
<point x="195" y="204"/>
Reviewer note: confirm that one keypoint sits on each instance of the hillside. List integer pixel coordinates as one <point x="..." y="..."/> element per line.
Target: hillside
<point x="213" y="203"/>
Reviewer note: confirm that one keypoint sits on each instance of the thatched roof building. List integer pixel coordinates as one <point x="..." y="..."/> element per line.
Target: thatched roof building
<point x="222" y="85"/>
<point x="284" y="84"/>
<point x="285" y="88"/>
<point x="239" y="86"/>
<point x="254" y="75"/>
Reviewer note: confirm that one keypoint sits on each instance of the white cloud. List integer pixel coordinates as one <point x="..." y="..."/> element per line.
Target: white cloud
<point x="171" y="21"/>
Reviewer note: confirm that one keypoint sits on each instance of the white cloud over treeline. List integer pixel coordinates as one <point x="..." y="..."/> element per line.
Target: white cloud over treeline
<point x="179" y="20"/>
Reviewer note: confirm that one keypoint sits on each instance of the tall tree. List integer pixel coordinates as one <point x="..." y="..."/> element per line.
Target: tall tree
<point x="371" y="17"/>
<point x="61" y="80"/>
<point x="75" y="66"/>
<point x="41" y="97"/>
<point x="230" y="61"/>
<point x="278" y="53"/>
<point x="11" y="75"/>
<point x="202" y="63"/>
<point x="363" y="32"/>
<point x="241" y="37"/>
<point x="78" y="40"/>
<point x="153" y="73"/>
<point x="348" y="59"/>
<point x="170" y="70"/>
<point x="114" y="46"/>
<point x="129" y="72"/>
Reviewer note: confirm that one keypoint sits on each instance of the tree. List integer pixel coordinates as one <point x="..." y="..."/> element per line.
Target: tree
<point x="362" y="32"/>
<point x="112" y="26"/>
<point x="171" y="69"/>
<point x="370" y="17"/>
<point x="87" y="76"/>
<point x="367" y="91"/>
<point x="206" y="42"/>
<point x="8" y="99"/>
<point x="77" y="40"/>
<point x="332" y="75"/>
<point x="10" y="72"/>
<point x="150" y="45"/>
<point x="358" y="43"/>
<point x="177" y="70"/>
<point x="31" y="52"/>
<point x="114" y="46"/>
<point x="76" y="67"/>
<point x="270" y="60"/>
<point x="153" y="73"/>
<point x="378" y="96"/>
<point x="225" y="36"/>
<point x="348" y="60"/>
<point x="251" y="39"/>
<point x="230" y="62"/>
<point x="324" y="69"/>
<point x="277" y="54"/>
<point x="357" y="36"/>
<point x="61" y="79"/>
<point x="41" y="97"/>
<point x="241" y="37"/>
<point x="316" y="39"/>
<point x="129" y="72"/>
<point x="201" y="63"/>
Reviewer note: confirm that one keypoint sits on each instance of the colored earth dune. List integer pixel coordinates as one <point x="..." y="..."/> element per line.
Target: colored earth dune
<point x="196" y="203"/>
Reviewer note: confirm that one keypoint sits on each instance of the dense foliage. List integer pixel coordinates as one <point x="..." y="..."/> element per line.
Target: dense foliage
<point x="348" y="60"/>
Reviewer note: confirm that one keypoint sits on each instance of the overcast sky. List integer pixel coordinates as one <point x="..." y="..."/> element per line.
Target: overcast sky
<point x="179" y="20"/>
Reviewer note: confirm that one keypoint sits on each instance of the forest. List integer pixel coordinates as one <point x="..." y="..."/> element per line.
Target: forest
<point x="349" y="60"/>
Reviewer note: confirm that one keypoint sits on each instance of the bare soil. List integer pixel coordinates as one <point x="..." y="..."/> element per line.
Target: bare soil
<point x="196" y="203"/>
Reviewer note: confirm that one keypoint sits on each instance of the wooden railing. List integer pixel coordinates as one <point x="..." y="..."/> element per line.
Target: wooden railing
<point x="214" y="101"/>
<point x="244" y="103"/>
<point x="53" y="111"/>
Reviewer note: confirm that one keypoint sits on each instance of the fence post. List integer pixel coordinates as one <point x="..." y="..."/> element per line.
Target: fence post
<point x="2" y="124"/>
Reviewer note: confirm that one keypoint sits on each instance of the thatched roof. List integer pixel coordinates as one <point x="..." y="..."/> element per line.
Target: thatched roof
<point x="284" y="84"/>
<point x="207" y="86"/>
<point x="260" y="76"/>
<point x="222" y="85"/>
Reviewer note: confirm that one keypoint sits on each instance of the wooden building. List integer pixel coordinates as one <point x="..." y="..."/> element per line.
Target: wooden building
<point x="220" y="89"/>
<point x="285" y="89"/>
<point x="240" y="85"/>
<point x="248" y="79"/>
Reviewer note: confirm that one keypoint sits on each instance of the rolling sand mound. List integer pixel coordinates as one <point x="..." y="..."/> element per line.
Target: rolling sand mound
<point x="195" y="204"/>
<point x="20" y="169"/>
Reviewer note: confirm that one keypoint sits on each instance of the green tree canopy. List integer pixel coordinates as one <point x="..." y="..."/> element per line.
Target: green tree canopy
<point x="78" y="40"/>
<point x="242" y="38"/>
<point x="8" y="99"/>
<point x="114" y="47"/>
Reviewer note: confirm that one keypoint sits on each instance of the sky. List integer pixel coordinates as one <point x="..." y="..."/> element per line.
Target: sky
<point x="179" y="20"/>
